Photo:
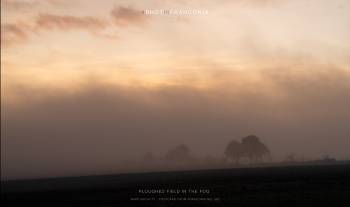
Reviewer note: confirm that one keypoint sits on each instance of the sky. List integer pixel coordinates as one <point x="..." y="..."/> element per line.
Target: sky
<point x="88" y="84"/>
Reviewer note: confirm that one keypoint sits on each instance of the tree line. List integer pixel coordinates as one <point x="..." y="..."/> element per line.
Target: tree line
<point x="250" y="148"/>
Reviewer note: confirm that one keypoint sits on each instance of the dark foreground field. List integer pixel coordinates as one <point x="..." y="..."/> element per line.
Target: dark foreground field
<point x="318" y="185"/>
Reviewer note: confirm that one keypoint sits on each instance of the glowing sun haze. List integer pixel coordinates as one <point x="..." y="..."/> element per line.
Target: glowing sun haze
<point x="83" y="81"/>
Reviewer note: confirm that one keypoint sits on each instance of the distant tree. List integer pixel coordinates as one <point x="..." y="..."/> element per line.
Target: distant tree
<point x="234" y="151"/>
<point x="148" y="157"/>
<point x="253" y="148"/>
<point x="290" y="158"/>
<point x="327" y="158"/>
<point x="179" y="154"/>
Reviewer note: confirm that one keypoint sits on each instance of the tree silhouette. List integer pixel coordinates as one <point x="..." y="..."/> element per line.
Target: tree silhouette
<point x="234" y="151"/>
<point x="148" y="157"/>
<point x="179" y="154"/>
<point x="250" y="147"/>
<point x="253" y="148"/>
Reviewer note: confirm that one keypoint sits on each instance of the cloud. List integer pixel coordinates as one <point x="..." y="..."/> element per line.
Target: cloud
<point x="18" y="4"/>
<point x="19" y="33"/>
<point x="50" y="21"/>
<point x="12" y="34"/>
<point x="28" y="5"/>
<point x="93" y="25"/>
<point x="196" y="3"/>
<point x="293" y="111"/>
<point x="125" y="16"/>
<point x="263" y="2"/>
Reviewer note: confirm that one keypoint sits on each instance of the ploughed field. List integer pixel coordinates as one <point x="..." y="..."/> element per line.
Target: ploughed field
<point x="306" y="185"/>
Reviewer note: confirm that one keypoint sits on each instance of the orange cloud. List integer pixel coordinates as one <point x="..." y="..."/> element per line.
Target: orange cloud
<point x="13" y="33"/>
<point x="19" y="33"/>
<point x="18" y="5"/>
<point x="125" y="16"/>
<point x="16" y="33"/>
<point x="50" y="21"/>
<point x="26" y="5"/>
